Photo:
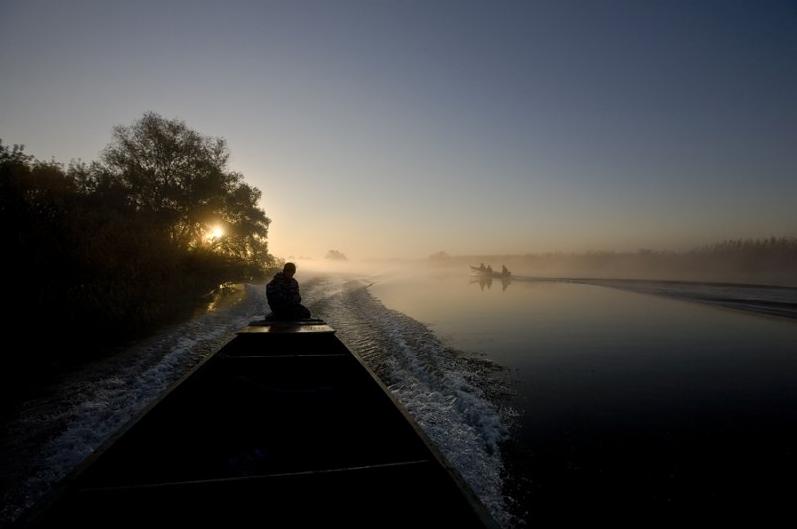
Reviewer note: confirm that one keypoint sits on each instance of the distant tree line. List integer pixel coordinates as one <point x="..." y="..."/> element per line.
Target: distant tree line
<point x="96" y="253"/>
<point x="772" y="247"/>
<point x="771" y="261"/>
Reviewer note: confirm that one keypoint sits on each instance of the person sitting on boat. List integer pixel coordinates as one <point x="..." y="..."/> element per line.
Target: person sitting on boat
<point x="283" y="296"/>
<point x="504" y="270"/>
<point x="489" y="269"/>
<point x="482" y="267"/>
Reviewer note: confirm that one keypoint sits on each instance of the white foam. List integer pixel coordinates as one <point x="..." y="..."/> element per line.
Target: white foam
<point x="53" y="434"/>
<point x="436" y="385"/>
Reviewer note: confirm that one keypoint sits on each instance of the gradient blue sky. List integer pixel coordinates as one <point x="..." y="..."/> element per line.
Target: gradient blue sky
<point x="399" y="128"/>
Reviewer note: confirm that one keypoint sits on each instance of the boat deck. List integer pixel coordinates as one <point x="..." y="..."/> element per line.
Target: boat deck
<point x="284" y="425"/>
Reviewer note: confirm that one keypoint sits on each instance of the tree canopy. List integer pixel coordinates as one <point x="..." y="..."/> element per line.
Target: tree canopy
<point x="125" y="243"/>
<point x="335" y="255"/>
<point x="181" y="178"/>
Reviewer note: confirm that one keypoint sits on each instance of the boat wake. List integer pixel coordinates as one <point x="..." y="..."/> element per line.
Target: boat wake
<point x="56" y="431"/>
<point x="455" y="399"/>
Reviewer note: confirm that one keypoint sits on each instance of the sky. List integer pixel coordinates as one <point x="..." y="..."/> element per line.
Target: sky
<point x="400" y="128"/>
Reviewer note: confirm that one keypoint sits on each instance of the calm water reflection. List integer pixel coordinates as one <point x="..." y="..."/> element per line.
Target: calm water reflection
<point x="628" y="400"/>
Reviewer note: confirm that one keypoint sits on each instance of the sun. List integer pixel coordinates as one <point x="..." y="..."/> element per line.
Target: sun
<point x="216" y="232"/>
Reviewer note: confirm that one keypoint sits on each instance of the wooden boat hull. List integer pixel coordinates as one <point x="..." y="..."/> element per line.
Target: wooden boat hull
<point x="283" y="426"/>
<point x="494" y="275"/>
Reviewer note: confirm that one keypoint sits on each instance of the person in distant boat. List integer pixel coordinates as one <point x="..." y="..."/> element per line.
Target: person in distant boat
<point x="504" y="270"/>
<point x="489" y="269"/>
<point x="283" y="296"/>
<point x="482" y="267"/>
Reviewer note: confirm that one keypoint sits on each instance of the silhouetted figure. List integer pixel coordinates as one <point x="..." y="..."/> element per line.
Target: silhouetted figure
<point x="283" y="296"/>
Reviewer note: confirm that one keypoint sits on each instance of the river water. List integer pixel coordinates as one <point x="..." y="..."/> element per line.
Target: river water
<point x="549" y="398"/>
<point x="625" y="401"/>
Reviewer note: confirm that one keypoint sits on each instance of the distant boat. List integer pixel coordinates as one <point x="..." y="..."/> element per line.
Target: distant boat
<point x="505" y="273"/>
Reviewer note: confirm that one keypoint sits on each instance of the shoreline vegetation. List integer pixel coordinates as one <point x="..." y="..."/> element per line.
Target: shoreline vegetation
<point x="754" y="262"/>
<point x="100" y="253"/>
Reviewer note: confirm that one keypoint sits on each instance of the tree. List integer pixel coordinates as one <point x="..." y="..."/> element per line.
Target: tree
<point x="120" y="245"/>
<point x="334" y="255"/>
<point x="181" y="178"/>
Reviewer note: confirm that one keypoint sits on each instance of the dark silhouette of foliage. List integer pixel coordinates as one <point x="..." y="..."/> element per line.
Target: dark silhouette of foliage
<point x="101" y="252"/>
<point x="334" y="255"/>
<point x="180" y="178"/>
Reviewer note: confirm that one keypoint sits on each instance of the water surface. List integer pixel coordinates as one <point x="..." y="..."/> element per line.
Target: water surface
<point x="626" y="401"/>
